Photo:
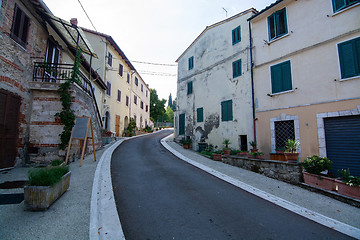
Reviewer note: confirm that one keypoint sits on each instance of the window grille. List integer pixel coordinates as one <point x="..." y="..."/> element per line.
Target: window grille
<point x="284" y="130"/>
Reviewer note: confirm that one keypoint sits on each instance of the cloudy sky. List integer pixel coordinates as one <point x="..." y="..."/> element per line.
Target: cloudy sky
<point x="152" y="31"/>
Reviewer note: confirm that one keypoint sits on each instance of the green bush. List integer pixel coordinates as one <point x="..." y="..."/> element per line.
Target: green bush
<point x="316" y="164"/>
<point x="48" y="176"/>
<point x="207" y="153"/>
<point x="348" y="179"/>
<point x="56" y="162"/>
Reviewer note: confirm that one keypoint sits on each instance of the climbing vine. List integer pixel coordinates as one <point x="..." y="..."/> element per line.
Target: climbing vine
<point x="67" y="115"/>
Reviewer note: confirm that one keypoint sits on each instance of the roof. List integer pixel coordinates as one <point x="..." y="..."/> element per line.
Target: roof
<point x="114" y="44"/>
<point x="265" y="9"/>
<point x="215" y="25"/>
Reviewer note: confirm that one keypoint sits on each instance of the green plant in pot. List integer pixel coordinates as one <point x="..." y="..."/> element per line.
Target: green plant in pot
<point x="226" y="150"/>
<point x="217" y="155"/>
<point x="186" y="142"/>
<point x="313" y="166"/>
<point x="348" y="185"/>
<point x="253" y="144"/>
<point x="291" y="153"/>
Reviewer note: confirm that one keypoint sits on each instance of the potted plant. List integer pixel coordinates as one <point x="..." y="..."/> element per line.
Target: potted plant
<point x="257" y="155"/>
<point x="186" y="142"/>
<point x="348" y="185"/>
<point x="243" y="153"/>
<point x="312" y="175"/>
<point x="253" y="145"/>
<point x="217" y="155"/>
<point x="226" y="150"/>
<point x="46" y="185"/>
<point x="291" y="153"/>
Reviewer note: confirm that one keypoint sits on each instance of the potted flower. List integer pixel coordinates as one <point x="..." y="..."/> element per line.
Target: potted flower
<point x="186" y="142"/>
<point x="291" y="153"/>
<point x="226" y="150"/>
<point x="46" y="185"/>
<point x="253" y="145"/>
<point x="348" y="185"/>
<point x="312" y="175"/>
<point x="217" y="155"/>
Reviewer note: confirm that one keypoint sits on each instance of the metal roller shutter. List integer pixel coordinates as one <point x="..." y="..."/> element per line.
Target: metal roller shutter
<point x="342" y="135"/>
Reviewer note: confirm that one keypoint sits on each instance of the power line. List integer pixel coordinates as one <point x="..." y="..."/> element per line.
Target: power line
<point x="87" y="15"/>
<point x="161" y="64"/>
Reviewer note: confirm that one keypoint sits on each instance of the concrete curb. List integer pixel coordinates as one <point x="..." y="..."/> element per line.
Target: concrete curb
<point x="314" y="216"/>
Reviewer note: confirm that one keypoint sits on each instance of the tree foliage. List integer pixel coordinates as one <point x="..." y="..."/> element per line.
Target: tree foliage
<point x="157" y="106"/>
<point x="169" y="115"/>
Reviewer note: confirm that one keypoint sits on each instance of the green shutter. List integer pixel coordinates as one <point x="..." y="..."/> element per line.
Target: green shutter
<point x="237" y="68"/>
<point x="182" y="124"/>
<point x="276" y="79"/>
<point x="226" y="111"/>
<point x="190" y="87"/>
<point x="349" y="58"/>
<point x="338" y="4"/>
<point x="200" y="114"/>
<point x="281" y="77"/>
<point x="229" y="109"/>
<point x="223" y="111"/>
<point x="236" y="35"/>
<point x="286" y="76"/>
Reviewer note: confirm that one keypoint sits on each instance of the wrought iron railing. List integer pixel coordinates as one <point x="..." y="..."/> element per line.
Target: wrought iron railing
<point x="59" y="73"/>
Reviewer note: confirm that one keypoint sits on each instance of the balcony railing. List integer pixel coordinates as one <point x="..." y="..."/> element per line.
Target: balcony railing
<point x="59" y="73"/>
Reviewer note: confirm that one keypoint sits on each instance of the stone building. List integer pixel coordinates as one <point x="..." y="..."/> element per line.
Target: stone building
<point x="37" y="53"/>
<point x="214" y="93"/>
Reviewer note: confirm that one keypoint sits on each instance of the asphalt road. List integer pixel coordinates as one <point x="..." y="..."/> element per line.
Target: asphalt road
<point x="159" y="196"/>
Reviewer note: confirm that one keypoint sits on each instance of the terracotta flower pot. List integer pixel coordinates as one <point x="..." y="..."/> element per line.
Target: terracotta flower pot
<point x="292" y="157"/>
<point x="319" y="181"/>
<point x="243" y="154"/>
<point x="217" y="157"/>
<point x="254" y="150"/>
<point x="344" y="189"/>
<point x="226" y="151"/>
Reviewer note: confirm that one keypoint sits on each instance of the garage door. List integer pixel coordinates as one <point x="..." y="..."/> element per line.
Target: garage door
<point x="342" y="136"/>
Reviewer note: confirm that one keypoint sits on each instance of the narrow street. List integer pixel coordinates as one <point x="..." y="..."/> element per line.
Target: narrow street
<point x="158" y="196"/>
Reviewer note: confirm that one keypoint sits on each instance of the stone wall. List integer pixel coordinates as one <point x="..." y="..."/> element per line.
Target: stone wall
<point x="283" y="171"/>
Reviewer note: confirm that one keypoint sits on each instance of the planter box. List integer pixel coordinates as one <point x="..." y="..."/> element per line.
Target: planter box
<point x="320" y="181"/>
<point x="350" y="191"/>
<point x="41" y="197"/>
<point x="227" y="152"/>
<point x="292" y="157"/>
<point x="278" y="156"/>
<point x="217" y="157"/>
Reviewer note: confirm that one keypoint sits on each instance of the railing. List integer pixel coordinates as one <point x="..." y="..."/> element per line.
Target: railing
<point x="59" y="73"/>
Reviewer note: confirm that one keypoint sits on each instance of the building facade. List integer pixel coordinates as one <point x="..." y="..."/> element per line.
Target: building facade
<point x="306" y="76"/>
<point x="214" y="94"/>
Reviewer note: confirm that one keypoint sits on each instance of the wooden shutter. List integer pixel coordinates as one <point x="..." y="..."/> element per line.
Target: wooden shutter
<point x="181" y="124"/>
<point x="347" y="55"/>
<point x="200" y="114"/>
<point x="229" y="110"/>
<point x="281" y="77"/>
<point x="286" y="76"/>
<point x="190" y="88"/>
<point x="276" y="79"/>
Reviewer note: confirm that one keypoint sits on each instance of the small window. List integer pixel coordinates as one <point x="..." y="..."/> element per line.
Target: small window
<point x="136" y="81"/>
<point x="189" y="88"/>
<point x="147" y="108"/>
<point x="142" y="105"/>
<point x="119" y="96"/>
<point x="127" y="100"/>
<point x="142" y="87"/>
<point x="281" y="77"/>
<point x="226" y="111"/>
<point x="349" y="56"/>
<point x="135" y="99"/>
<point x="200" y="114"/>
<point x="20" y="26"/>
<point x="121" y="70"/>
<point x="341" y="4"/>
<point x="108" y="90"/>
<point x="128" y="78"/>
<point x="236" y="68"/>
<point x="146" y="93"/>
<point x="277" y="24"/>
<point x="284" y="130"/>
<point x="109" y="59"/>
<point x="191" y="62"/>
<point x="236" y="35"/>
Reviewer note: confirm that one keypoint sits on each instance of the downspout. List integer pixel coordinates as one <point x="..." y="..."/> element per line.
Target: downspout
<point x="252" y="84"/>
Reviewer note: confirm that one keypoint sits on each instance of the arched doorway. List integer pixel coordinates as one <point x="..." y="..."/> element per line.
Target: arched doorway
<point x="107" y="121"/>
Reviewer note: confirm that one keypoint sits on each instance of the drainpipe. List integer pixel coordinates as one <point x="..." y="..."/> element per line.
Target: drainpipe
<point x="252" y="84"/>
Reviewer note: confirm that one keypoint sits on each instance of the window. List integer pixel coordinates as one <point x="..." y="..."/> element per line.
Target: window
<point x="20" y="27"/>
<point x="135" y="99"/>
<point x="189" y="87"/>
<point x="119" y="96"/>
<point x="191" y="62"/>
<point x="128" y="78"/>
<point x="284" y="130"/>
<point x="243" y="142"/>
<point x="281" y="77"/>
<point x="146" y="93"/>
<point x="142" y="105"/>
<point x="341" y="4"/>
<point x="109" y="59"/>
<point x="127" y="100"/>
<point x="147" y="108"/>
<point x="226" y="111"/>
<point x="236" y="35"/>
<point x="121" y="69"/>
<point x="108" y="90"/>
<point x="182" y="124"/>
<point x="136" y="81"/>
<point x="277" y="24"/>
<point x="142" y="87"/>
<point x="200" y="114"/>
<point x="236" y="68"/>
<point x="349" y="54"/>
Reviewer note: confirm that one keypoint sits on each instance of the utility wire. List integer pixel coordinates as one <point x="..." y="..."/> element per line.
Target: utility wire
<point x="87" y="15"/>
<point x="160" y="64"/>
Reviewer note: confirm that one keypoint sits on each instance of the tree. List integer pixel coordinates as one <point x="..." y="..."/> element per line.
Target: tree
<point x="157" y="107"/>
<point x="169" y="115"/>
<point x="170" y="102"/>
<point x="173" y="107"/>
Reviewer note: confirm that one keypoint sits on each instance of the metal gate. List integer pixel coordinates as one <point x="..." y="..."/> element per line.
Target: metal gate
<point x="342" y="135"/>
<point x="9" y="121"/>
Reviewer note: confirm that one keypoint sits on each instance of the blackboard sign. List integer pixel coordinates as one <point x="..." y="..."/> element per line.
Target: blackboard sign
<point x="80" y="127"/>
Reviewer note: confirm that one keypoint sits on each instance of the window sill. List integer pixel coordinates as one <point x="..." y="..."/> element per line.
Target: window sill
<point x="345" y="9"/>
<point x="276" y="39"/>
<point x="279" y="93"/>
<point x="350" y="78"/>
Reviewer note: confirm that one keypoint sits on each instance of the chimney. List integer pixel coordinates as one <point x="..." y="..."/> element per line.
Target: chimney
<point x="74" y="21"/>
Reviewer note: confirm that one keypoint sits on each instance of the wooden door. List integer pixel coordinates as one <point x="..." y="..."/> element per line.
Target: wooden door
<point x="117" y="125"/>
<point x="9" y="122"/>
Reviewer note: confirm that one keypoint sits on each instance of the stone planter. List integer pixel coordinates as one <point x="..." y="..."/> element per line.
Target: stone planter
<point x="350" y="191"/>
<point x="217" y="157"/>
<point x="278" y="156"/>
<point x="243" y="154"/>
<point x="41" y="197"/>
<point x="319" y="181"/>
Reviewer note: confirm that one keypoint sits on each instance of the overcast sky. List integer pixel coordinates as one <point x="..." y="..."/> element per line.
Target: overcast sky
<point x="152" y="31"/>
